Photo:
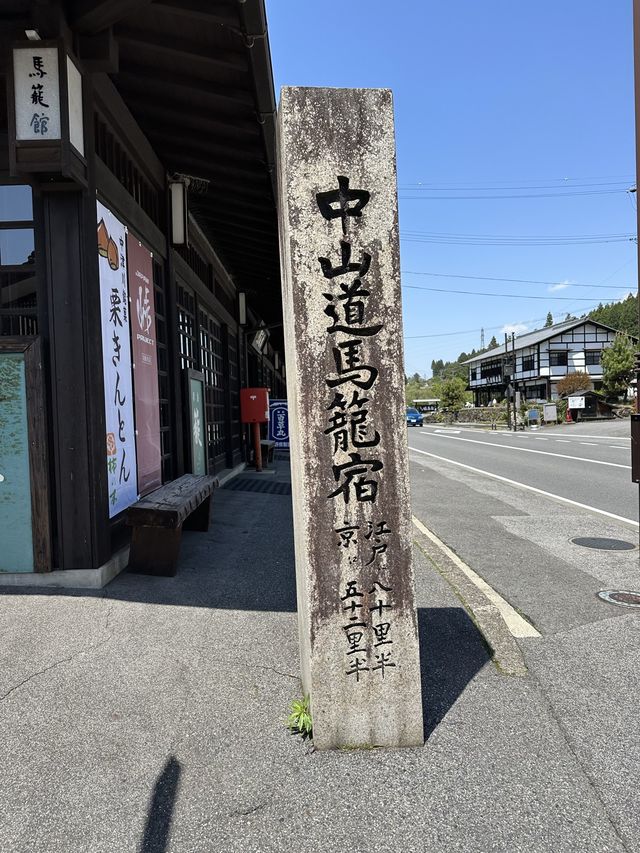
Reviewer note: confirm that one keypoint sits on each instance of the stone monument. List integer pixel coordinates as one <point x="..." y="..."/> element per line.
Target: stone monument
<point x="345" y="377"/>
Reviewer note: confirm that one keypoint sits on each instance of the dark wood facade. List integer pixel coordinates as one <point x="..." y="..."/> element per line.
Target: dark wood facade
<point x="170" y="90"/>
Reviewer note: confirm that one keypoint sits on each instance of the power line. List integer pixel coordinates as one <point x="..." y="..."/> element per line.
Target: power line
<point x="464" y="240"/>
<point x="474" y="331"/>
<point x="441" y="188"/>
<point x="515" y="280"/>
<point x="499" y="295"/>
<point x="626" y="177"/>
<point x="518" y="195"/>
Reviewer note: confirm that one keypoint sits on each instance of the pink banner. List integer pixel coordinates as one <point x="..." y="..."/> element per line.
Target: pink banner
<point x="145" y="365"/>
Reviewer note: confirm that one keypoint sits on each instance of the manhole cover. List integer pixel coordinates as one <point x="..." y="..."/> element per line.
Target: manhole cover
<point x="620" y="596"/>
<point x="603" y="544"/>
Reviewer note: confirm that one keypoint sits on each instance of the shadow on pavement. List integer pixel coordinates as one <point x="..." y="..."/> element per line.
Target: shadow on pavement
<point x="451" y="653"/>
<point x="158" y="826"/>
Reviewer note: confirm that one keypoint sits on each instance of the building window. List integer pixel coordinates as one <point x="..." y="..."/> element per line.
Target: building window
<point x="528" y="362"/>
<point x="212" y="361"/>
<point x="559" y="359"/>
<point x="592" y="357"/>
<point x="187" y="327"/>
<point x="474" y="374"/>
<point x="536" y="392"/>
<point x="164" y="382"/>
<point x="18" y="280"/>
<point x="491" y="369"/>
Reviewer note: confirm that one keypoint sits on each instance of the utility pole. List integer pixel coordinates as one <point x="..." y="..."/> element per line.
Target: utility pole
<point x="513" y="351"/>
<point x="481" y="338"/>
<point x="635" y="419"/>
<point x="505" y="363"/>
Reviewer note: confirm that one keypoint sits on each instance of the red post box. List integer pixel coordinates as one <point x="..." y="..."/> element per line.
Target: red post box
<point x="254" y="405"/>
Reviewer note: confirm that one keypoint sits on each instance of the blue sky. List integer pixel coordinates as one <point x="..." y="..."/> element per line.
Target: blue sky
<point x="493" y="98"/>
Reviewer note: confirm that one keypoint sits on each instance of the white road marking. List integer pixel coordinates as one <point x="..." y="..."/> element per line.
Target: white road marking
<point x="616" y="446"/>
<point x="456" y="431"/>
<point x="529" y="488"/>
<point x="578" y="436"/>
<point x="518" y="627"/>
<point x="542" y="452"/>
<point x="541" y="439"/>
<point x="590" y="444"/>
<point x="563" y="440"/>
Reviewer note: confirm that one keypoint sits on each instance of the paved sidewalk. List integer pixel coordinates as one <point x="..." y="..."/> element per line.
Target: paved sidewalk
<point x="149" y="717"/>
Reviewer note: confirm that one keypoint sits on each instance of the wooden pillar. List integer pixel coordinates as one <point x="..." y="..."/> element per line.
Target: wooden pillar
<point x="77" y="396"/>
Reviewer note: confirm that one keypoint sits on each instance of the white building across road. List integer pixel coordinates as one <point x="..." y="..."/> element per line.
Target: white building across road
<point x="541" y="359"/>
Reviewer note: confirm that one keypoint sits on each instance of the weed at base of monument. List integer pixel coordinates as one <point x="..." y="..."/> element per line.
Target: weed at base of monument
<point x="299" y="720"/>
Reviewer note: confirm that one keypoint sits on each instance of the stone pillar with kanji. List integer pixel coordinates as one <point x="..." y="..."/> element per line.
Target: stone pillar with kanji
<point x="345" y="379"/>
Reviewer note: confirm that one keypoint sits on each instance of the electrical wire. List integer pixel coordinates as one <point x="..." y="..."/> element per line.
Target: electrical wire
<point x="519" y="195"/>
<point x="516" y="280"/>
<point x="499" y="295"/>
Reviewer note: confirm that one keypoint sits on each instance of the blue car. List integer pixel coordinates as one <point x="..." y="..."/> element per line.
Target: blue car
<point x="414" y="417"/>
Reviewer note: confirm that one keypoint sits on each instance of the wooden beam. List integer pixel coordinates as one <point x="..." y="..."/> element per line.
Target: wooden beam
<point x="172" y="112"/>
<point x="181" y="50"/>
<point x="197" y="92"/>
<point x="91" y="16"/>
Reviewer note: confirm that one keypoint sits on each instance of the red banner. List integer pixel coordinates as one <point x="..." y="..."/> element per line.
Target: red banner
<point x="145" y="365"/>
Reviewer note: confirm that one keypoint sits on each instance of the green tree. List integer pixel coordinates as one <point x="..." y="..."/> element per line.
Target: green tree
<point x="573" y="382"/>
<point x="452" y="393"/>
<point x="617" y="365"/>
<point x="493" y="343"/>
<point x="549" y="321"/>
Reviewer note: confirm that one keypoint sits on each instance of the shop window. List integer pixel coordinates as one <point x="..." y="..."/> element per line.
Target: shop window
<point x="18" y="279"/>
<point x="592" y="357"/>
<point x="559" y="359"/>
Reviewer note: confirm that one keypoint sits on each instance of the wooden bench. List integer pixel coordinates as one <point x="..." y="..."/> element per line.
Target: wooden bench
<point x="158" y="519"/>
<point x="267" y="448"/>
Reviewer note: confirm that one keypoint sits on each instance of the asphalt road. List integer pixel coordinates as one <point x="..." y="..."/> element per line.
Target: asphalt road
<point x="586" y="463"/>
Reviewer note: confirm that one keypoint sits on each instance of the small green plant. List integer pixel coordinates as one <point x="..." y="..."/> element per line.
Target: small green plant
<point x="299" y="719"/>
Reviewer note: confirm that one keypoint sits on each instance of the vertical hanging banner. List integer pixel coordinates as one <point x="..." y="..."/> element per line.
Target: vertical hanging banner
<point x="343" y="340"/>
<point x="116" y="361"/>
<point x="145" y="365"/>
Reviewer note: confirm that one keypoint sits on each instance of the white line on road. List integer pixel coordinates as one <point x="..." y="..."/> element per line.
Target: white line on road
<point x="589" y="444"/>
<point x="542" y="452"/>
<point x="529" y="488"/>
<point x="579" y="435"/>
<point x="563" y="440"/>
<point x="541" y="439"/>
<point x="517" y="626"/>
<point x="616" y="446"/>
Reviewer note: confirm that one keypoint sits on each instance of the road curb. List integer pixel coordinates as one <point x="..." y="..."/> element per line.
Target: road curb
<point x="485" y="614"/>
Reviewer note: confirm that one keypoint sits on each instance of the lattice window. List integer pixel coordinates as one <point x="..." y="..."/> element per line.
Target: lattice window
<point x="164" y="381"/>
<point x="212" y="366"/>
<point x="187" y="327"/>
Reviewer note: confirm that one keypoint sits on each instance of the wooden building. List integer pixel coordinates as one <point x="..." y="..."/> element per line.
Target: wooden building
<point x="137" y="208"/>
<point x="538" y="360"/>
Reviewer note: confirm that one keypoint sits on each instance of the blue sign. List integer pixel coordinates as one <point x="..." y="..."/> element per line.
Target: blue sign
<point x="279" y="423"/>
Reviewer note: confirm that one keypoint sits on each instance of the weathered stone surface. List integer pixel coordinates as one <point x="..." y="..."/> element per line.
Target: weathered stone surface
<point x="343" y="333"/>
